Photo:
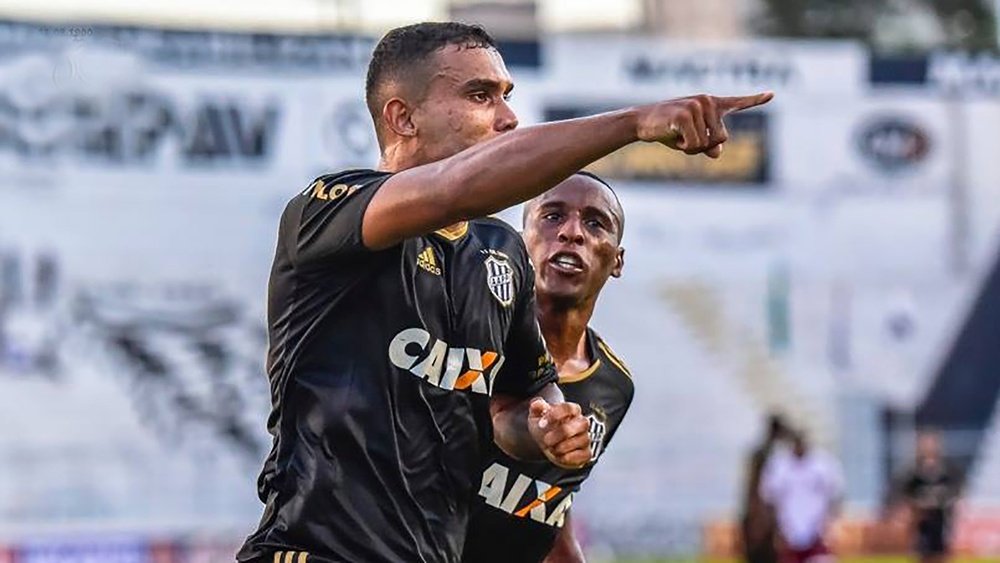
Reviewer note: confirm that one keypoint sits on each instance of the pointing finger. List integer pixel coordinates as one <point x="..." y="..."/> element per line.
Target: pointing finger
<point x="729" y="104"/>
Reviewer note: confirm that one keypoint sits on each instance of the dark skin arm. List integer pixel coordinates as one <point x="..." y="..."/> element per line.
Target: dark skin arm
<point x="541" y="427"/>
<point x="520" y="164"/>
<point x="566" y="549"/>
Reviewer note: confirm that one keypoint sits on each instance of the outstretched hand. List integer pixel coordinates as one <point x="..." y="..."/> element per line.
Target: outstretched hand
<point x="694" y="124"/>
<point x="561" y="432"/>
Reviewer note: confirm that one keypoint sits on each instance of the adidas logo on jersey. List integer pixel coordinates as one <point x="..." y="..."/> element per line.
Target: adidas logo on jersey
<point x="428" y="261"/>
<point x="449" y="368"/>
<point x="495" y="480"/>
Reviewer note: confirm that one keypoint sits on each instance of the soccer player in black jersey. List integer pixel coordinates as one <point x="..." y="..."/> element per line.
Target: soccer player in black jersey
<point x="401" y="326"/>
<point x="930" y="490"/>
<point x="573" y="233"/>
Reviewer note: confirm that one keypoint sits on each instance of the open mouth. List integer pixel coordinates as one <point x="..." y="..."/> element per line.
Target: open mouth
<point x="567" y="262"/>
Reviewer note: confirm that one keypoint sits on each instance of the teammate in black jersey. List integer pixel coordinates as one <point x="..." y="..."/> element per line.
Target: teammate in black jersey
<point x="930" y="489"/>
<point x="400" y="324"/>
<point x="573" y="233"/>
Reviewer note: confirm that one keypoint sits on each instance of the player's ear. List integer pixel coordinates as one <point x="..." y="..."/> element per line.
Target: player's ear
<point x="619" y="263"/>
<point x="398" y="117"/>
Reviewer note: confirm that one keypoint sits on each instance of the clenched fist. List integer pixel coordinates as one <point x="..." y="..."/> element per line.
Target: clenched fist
<point x="561" y="432"/>
<point x="693" y="124"/>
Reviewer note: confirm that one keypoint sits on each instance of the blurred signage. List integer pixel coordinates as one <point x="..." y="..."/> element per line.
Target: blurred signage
<point x="965" y="73"/>
<point x="183" y="48"/>
<point x="764" y="70"/>
<point x="745" y="158"/>
<point x="893" y="144"/>
<point x="134" y="126"/>
<point x="955" y="73"/>
<point x="347" y="132"/>
<point x="127" y="551"/>
<point x="662" y="67"/>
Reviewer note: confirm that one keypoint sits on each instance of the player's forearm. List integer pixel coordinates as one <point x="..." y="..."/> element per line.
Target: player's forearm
<point x="521" y="164"/>
<point x="510" y="424"/>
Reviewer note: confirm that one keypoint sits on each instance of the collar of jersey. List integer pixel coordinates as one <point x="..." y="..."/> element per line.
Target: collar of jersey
<point x="454" y="232"/>
<point x="573" y="378"/>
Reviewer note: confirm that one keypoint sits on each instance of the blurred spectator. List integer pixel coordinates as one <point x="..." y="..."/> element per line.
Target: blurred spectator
<point x="804" y="487"/>
<point x="929" y="490"/>
<point x="758" y="525"/>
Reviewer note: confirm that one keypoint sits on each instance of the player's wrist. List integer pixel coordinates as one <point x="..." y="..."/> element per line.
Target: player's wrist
<point x="630" y="117"/>
<point x="626" y="122"/>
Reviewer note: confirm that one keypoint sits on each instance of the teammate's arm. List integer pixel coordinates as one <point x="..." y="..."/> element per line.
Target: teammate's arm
<point x="523" y="163"/>
<point x="566" y="549"/>
<point x="541" y="427"/>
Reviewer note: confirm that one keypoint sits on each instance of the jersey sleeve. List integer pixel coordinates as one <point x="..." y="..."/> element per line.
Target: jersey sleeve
<point x="617" y="414"/>
<point x="527" y="367"/>
<point x="323" y="223"/>
<point x="625" y="387"/>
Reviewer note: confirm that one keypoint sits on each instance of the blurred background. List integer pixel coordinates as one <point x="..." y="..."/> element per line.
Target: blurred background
<point x="838" y="265"/>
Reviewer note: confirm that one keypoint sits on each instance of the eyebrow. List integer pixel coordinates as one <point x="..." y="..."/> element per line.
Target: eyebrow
<point x="609" y="214"/>
<point x="486" y="84"/>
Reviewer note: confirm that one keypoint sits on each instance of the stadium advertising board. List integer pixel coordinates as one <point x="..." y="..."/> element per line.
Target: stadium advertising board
<point x="657" y="67"/>
<point x="952" y="74"/>
<point x="110" y="99"/>
<point x="745" y="160"/>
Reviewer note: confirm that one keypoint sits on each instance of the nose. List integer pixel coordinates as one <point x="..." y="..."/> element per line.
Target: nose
<point x="506" y="119"/>
<point x="570" y="232"/>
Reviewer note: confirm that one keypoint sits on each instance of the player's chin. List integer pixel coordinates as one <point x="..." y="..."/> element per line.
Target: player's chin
<point x="564" y="291"/>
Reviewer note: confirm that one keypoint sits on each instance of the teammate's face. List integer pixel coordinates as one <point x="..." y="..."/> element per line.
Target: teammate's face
<point x="465" y="102"/>
<point x="572" y="233"/>
<point x="929" y="447"/>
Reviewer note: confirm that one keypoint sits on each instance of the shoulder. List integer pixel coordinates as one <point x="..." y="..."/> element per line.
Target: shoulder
<point x="496" y="231"/>
<point x="333" y="188"/>
<point x="500" y="239"/>
<point x="606" y="354"/>
<point x="827" y="462"/>
<point x="335" y="185"/>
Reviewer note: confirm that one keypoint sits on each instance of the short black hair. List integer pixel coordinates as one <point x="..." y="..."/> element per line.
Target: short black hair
<point x="776" y="426"/>
<point x="403" y="49"/>
<point x="526" y="209"/>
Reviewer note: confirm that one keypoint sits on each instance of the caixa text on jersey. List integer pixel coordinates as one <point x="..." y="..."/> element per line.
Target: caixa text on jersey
<point x="433" y="360"/>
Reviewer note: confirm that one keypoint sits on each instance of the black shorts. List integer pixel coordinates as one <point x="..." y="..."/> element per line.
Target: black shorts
<point x="931" y="539"/>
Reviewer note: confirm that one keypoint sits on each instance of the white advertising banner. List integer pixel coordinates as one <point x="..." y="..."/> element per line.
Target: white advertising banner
<point x="654" y="68"/>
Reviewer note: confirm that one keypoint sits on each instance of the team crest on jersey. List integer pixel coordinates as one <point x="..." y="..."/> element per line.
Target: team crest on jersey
<point x="500" y="278"/>
<point x="598" y="429"/>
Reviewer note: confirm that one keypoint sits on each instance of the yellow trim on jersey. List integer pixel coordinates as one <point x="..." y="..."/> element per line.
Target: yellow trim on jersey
<point x="614" y="358"/>
<point x="289" y="557"/>
<point x="582" y="375"/>
<point x="454" y="232"/>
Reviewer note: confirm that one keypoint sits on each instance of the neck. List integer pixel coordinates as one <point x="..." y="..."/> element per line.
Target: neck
<point x="395" y="157"/>
<point x="564" y="327"/>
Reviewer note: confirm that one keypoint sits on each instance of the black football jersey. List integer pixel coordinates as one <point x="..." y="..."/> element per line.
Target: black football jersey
<point x="933" y="491"/>
<point x="381" y="365"/>
<point x="521" y="506"/>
